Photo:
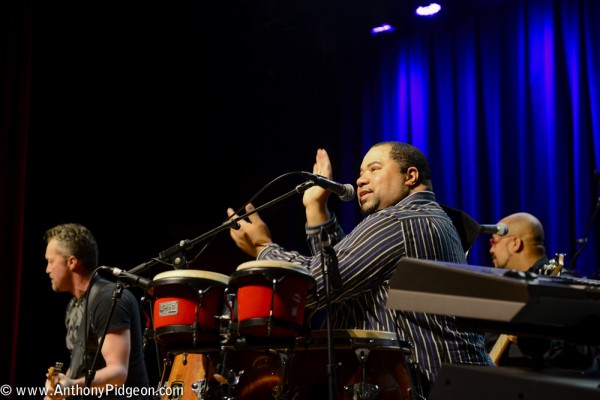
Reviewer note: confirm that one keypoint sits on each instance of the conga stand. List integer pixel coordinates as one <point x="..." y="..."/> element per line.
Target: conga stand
<point x="332" y="282"/>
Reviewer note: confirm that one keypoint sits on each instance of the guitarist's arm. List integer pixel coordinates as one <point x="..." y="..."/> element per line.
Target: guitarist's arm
<point x="115" y="352"/>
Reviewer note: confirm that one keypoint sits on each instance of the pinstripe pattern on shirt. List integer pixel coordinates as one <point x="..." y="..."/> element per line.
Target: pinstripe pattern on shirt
<point x="367" y="257"/>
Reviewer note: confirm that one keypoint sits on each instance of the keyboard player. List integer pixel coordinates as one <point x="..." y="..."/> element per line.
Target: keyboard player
<point x="522" y="248"/>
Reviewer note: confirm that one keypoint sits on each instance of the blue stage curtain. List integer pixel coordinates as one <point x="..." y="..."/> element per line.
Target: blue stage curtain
<point x="506" y="107"/>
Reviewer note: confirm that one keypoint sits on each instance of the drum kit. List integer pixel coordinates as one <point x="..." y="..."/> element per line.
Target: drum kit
<point x="246" y="337"/>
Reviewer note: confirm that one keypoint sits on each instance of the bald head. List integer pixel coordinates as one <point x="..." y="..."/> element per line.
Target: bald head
<point x="525" y="226"/>
<point x="522" y="246"/>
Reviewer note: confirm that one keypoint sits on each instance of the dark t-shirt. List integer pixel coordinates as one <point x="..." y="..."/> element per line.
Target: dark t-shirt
<point x="126" y="315"/>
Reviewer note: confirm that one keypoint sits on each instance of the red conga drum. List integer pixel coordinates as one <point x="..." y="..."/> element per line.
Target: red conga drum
<point x="270" y="297"/>
<point x="187" y="307"/>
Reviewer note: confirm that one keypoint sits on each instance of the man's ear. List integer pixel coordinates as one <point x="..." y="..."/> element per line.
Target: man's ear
<point x="412" y="177"/>
<point x="518" y="244"/>
<point x="72" y="262"/>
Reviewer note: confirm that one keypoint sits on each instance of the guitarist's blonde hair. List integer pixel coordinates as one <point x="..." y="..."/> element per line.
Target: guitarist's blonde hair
<point x="75" y="240"/>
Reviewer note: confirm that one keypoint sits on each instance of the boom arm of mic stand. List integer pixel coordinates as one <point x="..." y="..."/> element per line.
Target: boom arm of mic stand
<point x="232" y="223"/>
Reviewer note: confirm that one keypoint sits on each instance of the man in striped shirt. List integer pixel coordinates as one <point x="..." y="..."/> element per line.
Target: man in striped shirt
<point x="402" y="219"/>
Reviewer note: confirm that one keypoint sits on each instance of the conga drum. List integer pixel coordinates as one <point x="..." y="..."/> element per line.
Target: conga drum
<point x="270" y="297"/>
<point x="191" y="377"/>
<point x="187" y="308"/>
<point x="250" y="372"/>
<point x="372" y="365"/>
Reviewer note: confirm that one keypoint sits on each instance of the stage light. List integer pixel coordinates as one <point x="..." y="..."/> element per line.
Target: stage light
<point x="383" y="28"/>
<point x="428" y="11"/>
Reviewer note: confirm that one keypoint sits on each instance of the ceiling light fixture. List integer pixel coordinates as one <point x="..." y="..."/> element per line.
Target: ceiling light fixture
<point x="428" y="11"/>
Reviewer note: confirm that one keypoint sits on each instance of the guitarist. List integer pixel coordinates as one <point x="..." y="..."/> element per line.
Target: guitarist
<point x="523" y="249"/>
<point x="72" y="256"/>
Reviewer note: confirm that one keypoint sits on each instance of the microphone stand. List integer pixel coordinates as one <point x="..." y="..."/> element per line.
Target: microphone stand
<point x="91" y="373"/>
<point x="583" y="241"/>
<point x="332" y="282"/>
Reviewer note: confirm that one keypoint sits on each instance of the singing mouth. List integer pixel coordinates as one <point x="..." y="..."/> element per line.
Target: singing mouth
<point x="363" y="193"/>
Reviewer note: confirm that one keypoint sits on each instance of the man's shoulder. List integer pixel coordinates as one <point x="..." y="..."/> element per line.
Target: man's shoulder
<point x="100" y="286"/>
<point x="418" y="204"/>
<point x="103" y="289"/>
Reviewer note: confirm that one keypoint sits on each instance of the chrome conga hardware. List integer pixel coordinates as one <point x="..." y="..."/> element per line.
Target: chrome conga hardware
<point x="362" y="390"/>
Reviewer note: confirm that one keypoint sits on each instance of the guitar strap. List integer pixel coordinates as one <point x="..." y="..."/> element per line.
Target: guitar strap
<point x="87" y="341"/>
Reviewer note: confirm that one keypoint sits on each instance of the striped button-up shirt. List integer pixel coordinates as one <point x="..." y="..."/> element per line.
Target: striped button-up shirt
<point x="367" y="257"/>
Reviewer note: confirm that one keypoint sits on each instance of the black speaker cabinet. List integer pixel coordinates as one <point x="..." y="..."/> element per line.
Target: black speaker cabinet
<point x="464" y="382"/>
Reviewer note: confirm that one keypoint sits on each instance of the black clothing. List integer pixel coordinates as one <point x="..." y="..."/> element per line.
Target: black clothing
<point x="538" y="352"/>
<point x="92" y="311"/>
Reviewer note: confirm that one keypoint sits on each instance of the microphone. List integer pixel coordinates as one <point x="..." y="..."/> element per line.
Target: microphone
<point x="499" y="229"/>
<point x="344" y="190"/>
<point x="127" y="277"/>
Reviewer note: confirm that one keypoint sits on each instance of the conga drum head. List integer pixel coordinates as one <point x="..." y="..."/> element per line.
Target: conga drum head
<point x="187" y="276"/>
<point x="352" y="338"/>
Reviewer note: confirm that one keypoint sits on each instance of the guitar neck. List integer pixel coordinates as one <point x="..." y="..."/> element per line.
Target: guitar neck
<point x="559" y="261"/>
<point x="499" y="348"/>
<point x="52" y="372"/>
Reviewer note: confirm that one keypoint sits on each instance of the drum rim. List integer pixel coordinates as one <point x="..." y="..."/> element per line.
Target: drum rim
<point x="272" y="264"/>
<point x="360" y="335"/>
<point x="356" y="333"/>
<point x="193" y="273"/>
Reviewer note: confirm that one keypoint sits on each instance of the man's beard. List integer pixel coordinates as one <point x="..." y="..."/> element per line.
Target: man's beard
<point x="371" y="209"/>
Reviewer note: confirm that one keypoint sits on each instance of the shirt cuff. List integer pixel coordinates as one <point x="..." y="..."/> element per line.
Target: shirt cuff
<point x="315" y="230"/>
<point x="266" y="250"/>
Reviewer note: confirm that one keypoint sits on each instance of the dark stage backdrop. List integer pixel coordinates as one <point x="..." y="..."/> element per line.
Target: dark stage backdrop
<point x="147" y="121"/>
